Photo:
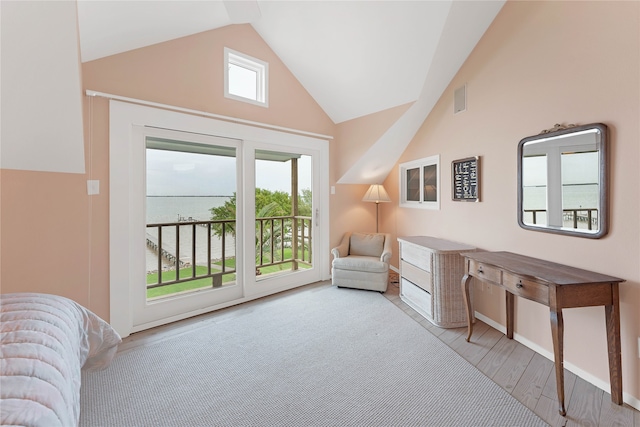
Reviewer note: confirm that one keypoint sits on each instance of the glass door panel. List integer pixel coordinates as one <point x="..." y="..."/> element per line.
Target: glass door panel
<point x="283" y="208"/>
<point x="187" y="250"/>
<point x="283" y="213"/>
<point x="190" y="247"/>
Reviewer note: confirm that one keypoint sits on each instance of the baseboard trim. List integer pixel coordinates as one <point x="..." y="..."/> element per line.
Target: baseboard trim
<point x="603" y="385"/>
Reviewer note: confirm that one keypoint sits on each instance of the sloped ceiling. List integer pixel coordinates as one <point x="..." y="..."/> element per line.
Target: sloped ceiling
<point x="354" y="57"/>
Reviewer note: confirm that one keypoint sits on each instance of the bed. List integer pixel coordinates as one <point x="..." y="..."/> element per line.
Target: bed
<point x="45" y="342"/>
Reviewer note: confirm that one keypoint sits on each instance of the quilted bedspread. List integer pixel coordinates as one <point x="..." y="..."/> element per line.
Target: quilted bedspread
<point x="45" y="341"/>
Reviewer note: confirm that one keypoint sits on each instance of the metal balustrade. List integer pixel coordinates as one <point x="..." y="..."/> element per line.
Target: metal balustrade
<point x="588" y="216"/>
<point x="216" y="267"/>
<point x="273" y="236"/>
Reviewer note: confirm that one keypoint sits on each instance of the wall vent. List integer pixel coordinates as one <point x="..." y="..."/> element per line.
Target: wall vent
<point x="460" y="99"/>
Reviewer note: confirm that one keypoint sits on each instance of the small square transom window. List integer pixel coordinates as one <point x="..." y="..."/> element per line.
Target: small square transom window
<point x="245" y="78"/>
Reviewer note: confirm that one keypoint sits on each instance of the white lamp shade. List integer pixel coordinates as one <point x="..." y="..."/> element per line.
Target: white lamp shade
<point x="376" y="193"/>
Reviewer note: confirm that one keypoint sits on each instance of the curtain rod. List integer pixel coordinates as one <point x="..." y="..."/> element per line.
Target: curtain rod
<point x="203" y="113"/>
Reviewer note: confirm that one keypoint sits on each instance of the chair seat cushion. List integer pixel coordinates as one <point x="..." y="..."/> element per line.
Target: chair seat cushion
<point x="361" y="263"/>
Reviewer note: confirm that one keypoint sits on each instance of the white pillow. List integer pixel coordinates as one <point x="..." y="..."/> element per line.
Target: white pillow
<point x="366" y="244"/>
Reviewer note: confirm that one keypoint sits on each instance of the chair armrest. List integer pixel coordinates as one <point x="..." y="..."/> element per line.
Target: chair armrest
<point x="386" y="249"/>
<point x="343" y="249"/>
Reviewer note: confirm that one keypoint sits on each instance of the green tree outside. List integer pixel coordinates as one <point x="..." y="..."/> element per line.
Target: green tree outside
<point x="268" y="204"/>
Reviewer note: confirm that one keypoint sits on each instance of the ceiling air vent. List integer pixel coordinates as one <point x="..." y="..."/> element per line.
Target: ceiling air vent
<point x="460" y="99"/>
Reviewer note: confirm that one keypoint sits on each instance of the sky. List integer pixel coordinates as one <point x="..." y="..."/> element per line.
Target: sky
<point x="172" y="173"/>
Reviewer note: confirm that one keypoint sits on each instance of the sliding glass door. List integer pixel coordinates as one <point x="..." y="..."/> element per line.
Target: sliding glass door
<point x="190" y="254"/>
<point x="283" y="204"/>
<point x="194" y="223"/>
<point x="205" y="214"/>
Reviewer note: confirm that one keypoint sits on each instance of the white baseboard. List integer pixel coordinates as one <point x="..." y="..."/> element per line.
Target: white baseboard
<point x="603" y="385"/>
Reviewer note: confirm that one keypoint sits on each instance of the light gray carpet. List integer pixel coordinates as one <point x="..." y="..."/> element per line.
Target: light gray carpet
<point x="322" y="357"/>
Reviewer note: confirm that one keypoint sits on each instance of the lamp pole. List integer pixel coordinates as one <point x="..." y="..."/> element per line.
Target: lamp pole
<point x="377" y="194"/>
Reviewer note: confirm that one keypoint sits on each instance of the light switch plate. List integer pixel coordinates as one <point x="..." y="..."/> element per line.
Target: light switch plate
<point x="93" y="187"/>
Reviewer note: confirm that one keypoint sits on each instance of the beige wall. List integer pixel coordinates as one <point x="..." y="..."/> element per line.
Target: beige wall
<point x="45" y="233"/>
<point x="351" y="140"/>
<point x="539" y="63"/>
<point x="542" y="63"/>
<point x="189" y="73"/>
<point x="55" y="238"/>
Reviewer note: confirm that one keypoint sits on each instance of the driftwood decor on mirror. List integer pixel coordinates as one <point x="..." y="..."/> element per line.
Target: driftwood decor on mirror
<point x="563" y="179"/>
<point x="465" y="179"/>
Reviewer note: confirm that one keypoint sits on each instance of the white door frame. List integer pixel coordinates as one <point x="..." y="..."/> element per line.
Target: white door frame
<point x="123" y="119"/>
<point x="280" y="282"/>
<point x="151" y="313"/>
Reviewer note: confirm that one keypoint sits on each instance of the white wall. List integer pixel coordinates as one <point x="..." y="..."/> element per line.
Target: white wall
<point x="41" y="113"/>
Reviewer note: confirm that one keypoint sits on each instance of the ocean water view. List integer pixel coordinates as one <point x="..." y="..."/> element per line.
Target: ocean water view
<point x="573" y="197"/>
<point x="170" y="208"/>
<point x="585" y="196"/>
<point x="162" y="209"/>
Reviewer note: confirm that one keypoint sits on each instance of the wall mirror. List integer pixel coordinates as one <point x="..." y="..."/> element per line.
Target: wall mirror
<point x="562" y="181"/>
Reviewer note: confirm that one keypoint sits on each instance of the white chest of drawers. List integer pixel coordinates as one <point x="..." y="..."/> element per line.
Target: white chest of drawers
<point x="431" y="271"/>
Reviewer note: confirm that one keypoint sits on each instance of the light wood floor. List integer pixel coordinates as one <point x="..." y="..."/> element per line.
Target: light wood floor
<point x="526" y="375"/>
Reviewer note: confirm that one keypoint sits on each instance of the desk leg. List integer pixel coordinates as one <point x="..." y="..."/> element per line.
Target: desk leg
<point x="557" y="332"/>
<point x="612" y="315"/>
<point x="510" y="313"/>
<point x="466" y="279"/>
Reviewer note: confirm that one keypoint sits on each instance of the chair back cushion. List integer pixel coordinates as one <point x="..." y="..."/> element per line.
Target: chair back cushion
<point x="366" y="244"/>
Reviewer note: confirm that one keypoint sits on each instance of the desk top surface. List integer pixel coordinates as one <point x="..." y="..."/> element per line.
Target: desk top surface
<point x="437" y="245"/>
<point x="546" y="271"/>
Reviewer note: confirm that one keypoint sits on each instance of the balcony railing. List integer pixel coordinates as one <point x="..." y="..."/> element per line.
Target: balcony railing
<point x="189" y="250"/>
<point x="274" y="235"/>
<point x="572" y="218"/>
<point x="169" y="241"/>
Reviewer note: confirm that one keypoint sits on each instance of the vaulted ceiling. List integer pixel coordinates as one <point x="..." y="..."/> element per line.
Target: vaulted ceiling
<point x="353" y="57"/>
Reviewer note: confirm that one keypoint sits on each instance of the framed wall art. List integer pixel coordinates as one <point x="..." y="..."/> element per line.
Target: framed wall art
<point x="465" y="179"/>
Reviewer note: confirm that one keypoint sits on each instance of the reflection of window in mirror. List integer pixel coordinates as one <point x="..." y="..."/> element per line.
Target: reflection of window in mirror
<point x="534" y="183"/>
<point x="419" y="183"/>
<point x="562" y="177"/>
<point x="580" y="189"/>
<point x="572" y="200"/>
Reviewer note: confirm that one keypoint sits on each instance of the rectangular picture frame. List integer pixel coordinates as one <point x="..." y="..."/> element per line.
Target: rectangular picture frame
<point x="465" y="179"/>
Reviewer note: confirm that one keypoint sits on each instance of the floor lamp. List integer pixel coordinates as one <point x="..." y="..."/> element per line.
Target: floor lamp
<point x="376" y="193"/>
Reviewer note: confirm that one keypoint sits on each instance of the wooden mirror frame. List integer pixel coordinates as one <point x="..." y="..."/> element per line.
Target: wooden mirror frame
<point x="561" y="132"/>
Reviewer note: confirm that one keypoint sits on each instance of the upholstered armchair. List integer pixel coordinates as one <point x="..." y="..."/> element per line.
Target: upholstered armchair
<point x="362" y="261"/>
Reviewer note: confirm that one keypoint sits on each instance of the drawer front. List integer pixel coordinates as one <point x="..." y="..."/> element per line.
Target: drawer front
<point x="417" y="296"/>
<point x="524" y="288"/>
<point x="485" y="272"/>
<point x="416" y="255"/>
<point x="416" y="275"/>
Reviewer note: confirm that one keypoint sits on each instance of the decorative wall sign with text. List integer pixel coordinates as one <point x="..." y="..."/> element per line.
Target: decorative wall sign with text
<point x="465" y="179"/>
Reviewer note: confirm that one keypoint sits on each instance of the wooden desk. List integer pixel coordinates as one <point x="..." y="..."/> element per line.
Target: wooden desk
<point x="556" y="286"/>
